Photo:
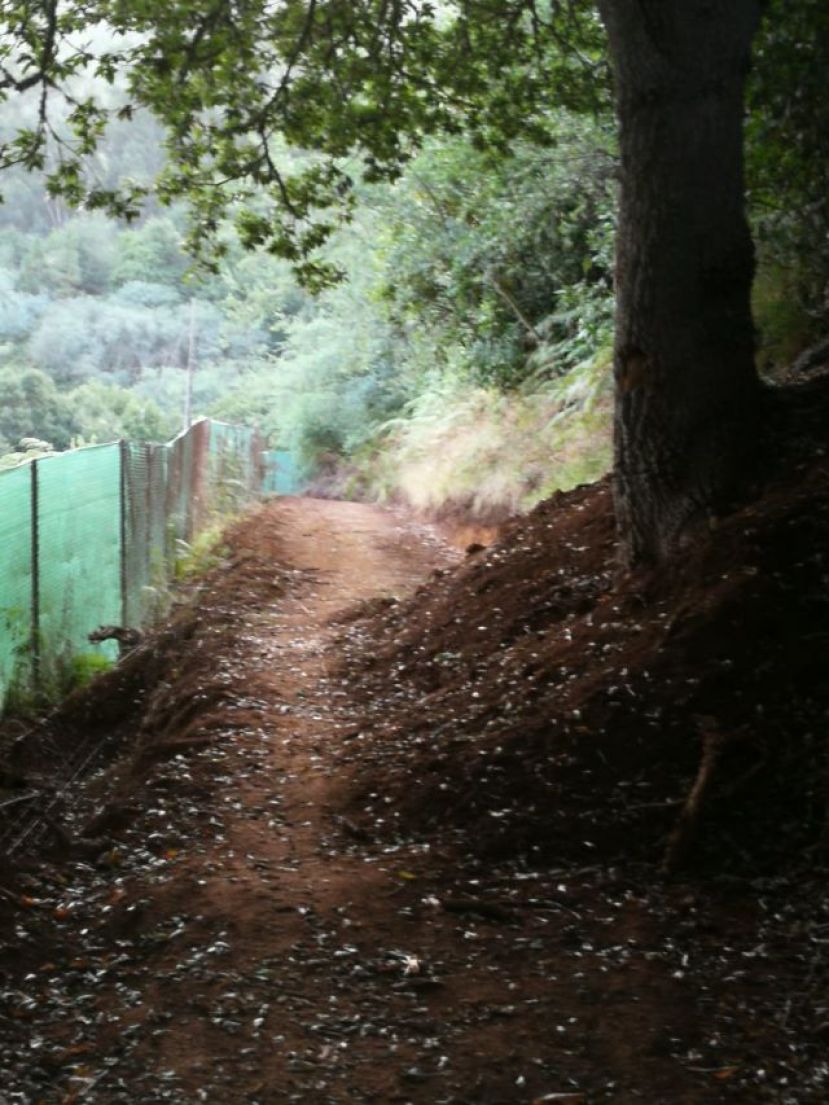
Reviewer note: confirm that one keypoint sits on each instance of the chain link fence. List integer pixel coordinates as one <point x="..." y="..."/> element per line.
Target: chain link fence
<point x="90" y="538"/>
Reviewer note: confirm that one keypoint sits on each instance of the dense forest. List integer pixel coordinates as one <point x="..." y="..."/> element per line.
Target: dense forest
<point x="451" y="341"/>
<point x="436" y="367"/>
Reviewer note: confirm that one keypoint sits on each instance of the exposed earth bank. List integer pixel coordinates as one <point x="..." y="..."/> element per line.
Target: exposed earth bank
<point x="366" y="824"/>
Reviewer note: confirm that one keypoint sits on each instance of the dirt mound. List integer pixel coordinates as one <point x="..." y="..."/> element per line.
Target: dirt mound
<point x="536" y="700"/>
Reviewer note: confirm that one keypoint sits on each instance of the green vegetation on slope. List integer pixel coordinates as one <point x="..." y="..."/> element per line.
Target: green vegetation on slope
<point x="463" y="357"/>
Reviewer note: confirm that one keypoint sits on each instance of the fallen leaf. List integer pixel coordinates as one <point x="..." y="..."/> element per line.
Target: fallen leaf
<point x="565" y="1098"/>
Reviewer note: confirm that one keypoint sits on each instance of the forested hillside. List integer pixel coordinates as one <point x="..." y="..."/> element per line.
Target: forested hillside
<point x="99" y="319"/>
<point x="452" y="344"/>
<point x="436" y="366"/>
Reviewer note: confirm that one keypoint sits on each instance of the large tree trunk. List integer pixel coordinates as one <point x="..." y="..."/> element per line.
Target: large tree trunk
<point x="687" y="422"/>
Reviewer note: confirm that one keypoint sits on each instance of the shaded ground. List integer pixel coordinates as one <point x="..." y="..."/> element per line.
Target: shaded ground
<point x="354" y="849"/>
<point x="565" y="710"/>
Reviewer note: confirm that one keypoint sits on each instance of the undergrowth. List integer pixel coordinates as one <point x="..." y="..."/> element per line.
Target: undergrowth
<point x="85" y="666"/>
<point x="203" y="552"/>
<point x="492" y="453"/>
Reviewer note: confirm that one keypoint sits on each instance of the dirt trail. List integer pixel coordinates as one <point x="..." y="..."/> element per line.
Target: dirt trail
<point x="239" y="945"/>
<point x="276" y="882"/>
<point x="245" y="942"/>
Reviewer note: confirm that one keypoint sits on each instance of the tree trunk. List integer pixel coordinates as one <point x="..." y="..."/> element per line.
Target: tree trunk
<point x="688" y="400"/>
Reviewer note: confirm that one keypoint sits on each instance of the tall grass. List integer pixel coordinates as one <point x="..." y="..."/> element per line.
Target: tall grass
<point x="492" y="454"/>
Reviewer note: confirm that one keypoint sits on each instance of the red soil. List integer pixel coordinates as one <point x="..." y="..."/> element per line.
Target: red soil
<point x="348" y="833"/>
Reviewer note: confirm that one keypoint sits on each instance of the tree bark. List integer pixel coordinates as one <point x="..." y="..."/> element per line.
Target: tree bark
<point x="688" y="405"/>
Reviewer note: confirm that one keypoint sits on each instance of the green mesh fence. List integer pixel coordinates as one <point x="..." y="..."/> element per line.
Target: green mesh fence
<point x="90" y="538"/>
<point x="234" y="465"/>
<point x="78" y="505"/>
<point x="281" y="473"/>
<point x="180" y="491"/>
<point x="16" y="603"/>
<point x="146" y="552"/>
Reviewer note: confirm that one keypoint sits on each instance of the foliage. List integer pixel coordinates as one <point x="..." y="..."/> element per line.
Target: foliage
<point x="28" y="448"/>
<point x="333" y="376"/>
<point x="19" y="311"/>
<point x="785" y="324"/>
<point x="77" y="322"/>
<point x="397" y="371"/>
<point x="491" y="454"/>
<point x="331" y="76"/>
<point x="85" y="666"/>
<point x="79" y="338"/>
<point x="465" y="264"/>
<point x="206" y="551"/>
<point x="498" y="254"/>
<point x="150" y="254"/>
<point x="260" y="294"/>
<point x="32" y="407"/>
<point x="77" y="258"/>
<point x="788" y="168"/>
<point x="104" y="412"/>
<point x="453" y="164"/>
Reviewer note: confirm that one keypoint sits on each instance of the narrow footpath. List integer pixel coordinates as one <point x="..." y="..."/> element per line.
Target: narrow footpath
<point x="241" y="941"/>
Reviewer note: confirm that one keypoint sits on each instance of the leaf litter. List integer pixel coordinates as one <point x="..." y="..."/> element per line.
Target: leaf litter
<point x="330" y="877"/>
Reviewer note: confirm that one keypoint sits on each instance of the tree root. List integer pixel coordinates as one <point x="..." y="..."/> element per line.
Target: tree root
<point x="686" y="828"/>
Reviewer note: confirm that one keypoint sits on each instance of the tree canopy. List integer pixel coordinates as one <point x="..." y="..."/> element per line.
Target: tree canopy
<point x="273" y="115"/>
<point x="358" y="85"/>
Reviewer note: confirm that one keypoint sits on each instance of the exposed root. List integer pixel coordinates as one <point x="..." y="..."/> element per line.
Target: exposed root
<point x="685" y="830"/>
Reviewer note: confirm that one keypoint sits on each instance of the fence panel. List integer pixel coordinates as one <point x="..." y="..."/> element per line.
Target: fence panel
<point x="135" y="476"/>
<point x="158" y="465"/>
<point x="235" y="466"/>
<point x="281" y="474"/>
<point x="16" y="595"/>
<point x="78" y="565"/>
<point x="179" y="487"/>
<point x="90" y="538"/>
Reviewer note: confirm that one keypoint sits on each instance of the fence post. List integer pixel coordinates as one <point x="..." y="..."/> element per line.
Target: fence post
<point x="200" y="433"/>
<point x="123" y="449"/>
<point x="35" y="564"/>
